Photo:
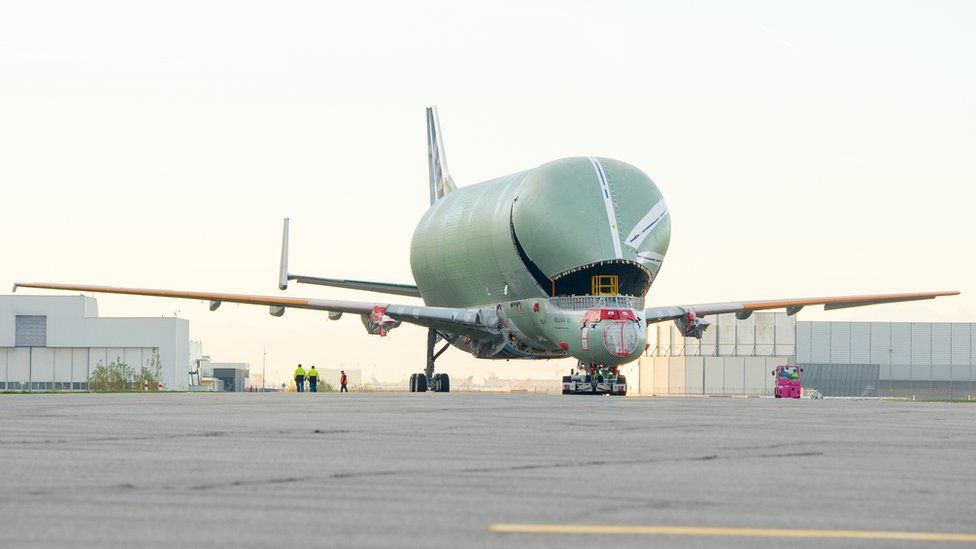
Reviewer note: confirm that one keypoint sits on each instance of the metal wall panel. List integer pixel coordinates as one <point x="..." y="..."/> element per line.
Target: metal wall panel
<point x="709" y="341"/>
<point x="765" y="334"/>
<point x="850" y="380"/>
<point x="647" y="375"/>
<point x="676" y="375"/>
<point x="820" y="342"/>
<point x="656" y="336"/>
<point x="734" y="379"/>
<point x="714" y="375"/>
<point x="133" y="357"/>
<point x="901" y="372"/>
<point x="3" y="364"/>
<point x="694" y="370"/>
<point x="115" y="354"/>
<point x="18" y="364"/>
<point x="745" y="336"/>
<point x="661" y="367"/>
<point x="42" y="365"/>
<point x="62" y="364"/>
<point x="803" y="341"/>
<point x="881" y="349"/>
<point x="972" y="345"/>
<point x="921" y="343"/>
<point x="79" y="365"/>
<point x="961" y="349"/>
<point x="726" y="334"/>
<point x="901" y="343"/>
<point x="755" y="374"/>
<point x="677" y="340"/>
<point x="860" y="342"/>
<point x="840" y="343"/>
<point x="97" y="356"/>
<point x="786" y="332"/>
<point x="941" y="343"/>
<point x="921" y="352"/>
<point x="692" y="346"/>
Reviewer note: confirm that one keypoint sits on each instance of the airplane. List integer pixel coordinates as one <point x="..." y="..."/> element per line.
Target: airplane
<point x="548" y="263"/>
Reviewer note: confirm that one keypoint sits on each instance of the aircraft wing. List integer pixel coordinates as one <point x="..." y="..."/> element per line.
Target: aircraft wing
<point x="745" y="308"/>
<point x="458" y="320"/>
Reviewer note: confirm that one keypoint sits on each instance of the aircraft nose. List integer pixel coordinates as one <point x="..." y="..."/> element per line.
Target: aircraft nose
<point x="611" y="337"/>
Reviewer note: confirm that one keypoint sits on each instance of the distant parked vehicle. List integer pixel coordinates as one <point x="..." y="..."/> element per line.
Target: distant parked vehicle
<point x="788" y="383"/>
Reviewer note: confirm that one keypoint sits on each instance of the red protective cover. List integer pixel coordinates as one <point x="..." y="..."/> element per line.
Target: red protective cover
<point x="596" y="315"/>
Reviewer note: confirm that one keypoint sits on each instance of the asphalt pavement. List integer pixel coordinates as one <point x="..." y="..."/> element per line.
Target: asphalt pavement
<point x="482" y="470"/>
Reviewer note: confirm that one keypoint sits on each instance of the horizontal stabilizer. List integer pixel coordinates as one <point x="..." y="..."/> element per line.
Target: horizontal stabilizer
<point x="381" y="287"/>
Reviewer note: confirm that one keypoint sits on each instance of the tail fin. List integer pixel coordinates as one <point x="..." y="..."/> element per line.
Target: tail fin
<point x="440" y="179"/>
<point x="283" y="268"/>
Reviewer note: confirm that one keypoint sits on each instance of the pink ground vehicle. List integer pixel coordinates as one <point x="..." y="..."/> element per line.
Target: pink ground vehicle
<point x="787" y="381"/>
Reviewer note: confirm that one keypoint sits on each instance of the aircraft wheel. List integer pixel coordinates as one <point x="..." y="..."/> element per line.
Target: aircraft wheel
<point x="421" y="383"/>
<point x="442" y="383"/>
<point x="623" y="381"/>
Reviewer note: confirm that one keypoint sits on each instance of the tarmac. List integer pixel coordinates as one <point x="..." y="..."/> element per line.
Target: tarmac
<point x="483" y="470"/>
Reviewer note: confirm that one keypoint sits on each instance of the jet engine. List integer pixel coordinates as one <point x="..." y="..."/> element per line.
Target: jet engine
<point x="378" y="323"/>
<point x="692" y="325"/>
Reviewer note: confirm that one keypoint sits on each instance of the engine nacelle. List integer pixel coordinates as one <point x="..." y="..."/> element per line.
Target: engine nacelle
<point x="692" y="325"/>
<point x="378" y="323"/>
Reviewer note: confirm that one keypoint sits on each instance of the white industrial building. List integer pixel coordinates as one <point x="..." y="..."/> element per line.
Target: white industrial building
<point x="54" y="343"/>
<point x="921" y="360"/>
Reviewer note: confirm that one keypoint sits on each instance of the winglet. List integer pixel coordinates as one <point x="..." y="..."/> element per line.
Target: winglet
<point x="441" y="182"/>
<point x="283" y="269"/>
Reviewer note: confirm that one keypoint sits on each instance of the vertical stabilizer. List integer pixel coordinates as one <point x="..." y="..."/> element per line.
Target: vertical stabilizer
<point x="440" y="179"/>
<point x="283" y="266"/>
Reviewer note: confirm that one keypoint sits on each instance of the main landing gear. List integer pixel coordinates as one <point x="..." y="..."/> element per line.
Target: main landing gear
<point x="439" y="383"/>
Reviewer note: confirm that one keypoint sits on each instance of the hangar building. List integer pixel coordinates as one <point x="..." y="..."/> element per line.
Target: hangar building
<point x="921" y="360"/>
<point x="54" y="343"/>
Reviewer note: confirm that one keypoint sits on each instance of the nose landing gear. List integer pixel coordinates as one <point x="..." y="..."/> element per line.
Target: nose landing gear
<point x="439" y="383"/>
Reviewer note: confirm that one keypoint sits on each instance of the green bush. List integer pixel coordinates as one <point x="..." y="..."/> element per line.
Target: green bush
<point x="119" y="376"/>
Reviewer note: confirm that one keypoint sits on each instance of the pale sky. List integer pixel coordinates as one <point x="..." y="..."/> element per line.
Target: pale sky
<point x="804" y="149"/>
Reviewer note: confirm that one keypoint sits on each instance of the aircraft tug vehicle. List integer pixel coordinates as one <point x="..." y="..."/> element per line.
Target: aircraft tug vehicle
<point x="592" y="380"/>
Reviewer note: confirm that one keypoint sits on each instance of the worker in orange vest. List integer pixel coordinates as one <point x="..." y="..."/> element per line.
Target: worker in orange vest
<point x="343" y="381"/>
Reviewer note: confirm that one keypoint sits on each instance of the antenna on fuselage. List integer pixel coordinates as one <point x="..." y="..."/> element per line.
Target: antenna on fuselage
<point x="440" y="179"/>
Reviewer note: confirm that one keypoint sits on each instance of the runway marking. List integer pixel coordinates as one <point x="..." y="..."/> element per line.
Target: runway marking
<point x="730" y="532"/>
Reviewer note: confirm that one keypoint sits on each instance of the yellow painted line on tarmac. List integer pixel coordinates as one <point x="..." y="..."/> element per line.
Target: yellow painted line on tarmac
<point x="731" y="532"/>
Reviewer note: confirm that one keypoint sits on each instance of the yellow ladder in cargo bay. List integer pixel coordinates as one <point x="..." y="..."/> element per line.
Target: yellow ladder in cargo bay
<point x="604" y="285"/>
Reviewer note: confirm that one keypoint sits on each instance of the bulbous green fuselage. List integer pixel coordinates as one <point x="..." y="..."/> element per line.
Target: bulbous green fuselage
<point x="526" y="242"/>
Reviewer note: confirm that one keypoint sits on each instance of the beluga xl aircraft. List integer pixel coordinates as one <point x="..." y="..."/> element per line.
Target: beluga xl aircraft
<point x="551" y="262"/>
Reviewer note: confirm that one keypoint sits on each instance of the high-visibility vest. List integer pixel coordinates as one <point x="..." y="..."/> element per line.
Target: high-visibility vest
<point x="312" y="372"/>
<point x="342" y="380"/>
<point x="299" y="372"/>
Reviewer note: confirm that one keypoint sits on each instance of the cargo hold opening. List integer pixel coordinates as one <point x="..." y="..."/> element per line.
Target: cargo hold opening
<point x="629" y="278"/>
<point x="625" y="277"/>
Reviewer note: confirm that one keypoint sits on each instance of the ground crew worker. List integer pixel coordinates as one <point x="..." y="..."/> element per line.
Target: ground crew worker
<point x="313" y="379"/>
<point x="300" y="378"/>
<point x="343" y="381"/>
